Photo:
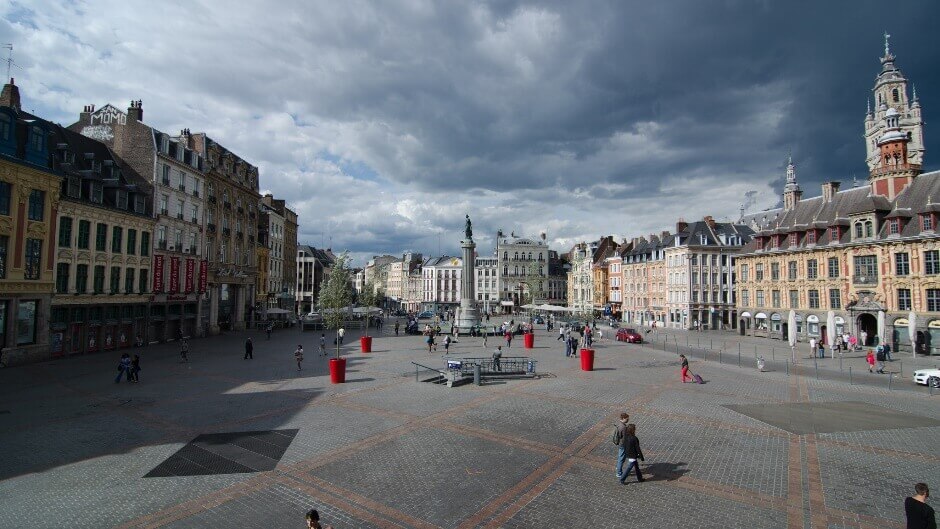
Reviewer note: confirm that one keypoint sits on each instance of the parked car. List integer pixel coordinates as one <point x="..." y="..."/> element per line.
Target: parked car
<point x="927" y="377"/>
<point x="539" y="320"/>
<point x="629" y="336"/>
<point x="426" y="315"/>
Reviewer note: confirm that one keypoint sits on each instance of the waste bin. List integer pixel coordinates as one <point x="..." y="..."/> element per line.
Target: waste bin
<point x="587" y="359"/>
<point x="528" y="339"/>
<point x="365" y="343"/>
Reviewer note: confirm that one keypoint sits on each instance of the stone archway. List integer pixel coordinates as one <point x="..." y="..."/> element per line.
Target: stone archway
<point x="869" y="324"/>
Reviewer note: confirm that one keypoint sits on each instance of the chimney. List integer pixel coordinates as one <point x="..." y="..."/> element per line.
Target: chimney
<point x="829" y="189"/>
<point x="135" y="112"/>
<point x="10" y="97"/>
<point x="710" y="221"/>
<point x="681" y="225"/>
<point x="85" y="116"/>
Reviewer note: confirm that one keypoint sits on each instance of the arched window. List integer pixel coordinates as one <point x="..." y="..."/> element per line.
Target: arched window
<point x="505" y="255"/>
<point x="530" y="256"/>
<point x="505" y="270"/>
<point x="515" y="270"/>
<point x="859" y="230"/>
<point x="895" y="96"/>
<point x="869" y="229"/>
<point x="516" y="256"/>
<point x="540" y="256"/>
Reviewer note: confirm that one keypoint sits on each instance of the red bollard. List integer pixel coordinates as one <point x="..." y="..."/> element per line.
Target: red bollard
<point x="528" y="340"/>
<point x="365" y="343"/>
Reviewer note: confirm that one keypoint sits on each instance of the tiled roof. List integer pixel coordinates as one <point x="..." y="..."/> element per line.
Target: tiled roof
<point x="815" y="213"/>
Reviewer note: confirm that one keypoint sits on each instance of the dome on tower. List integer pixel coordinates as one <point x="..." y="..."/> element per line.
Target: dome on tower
<point x="892" y="112"/>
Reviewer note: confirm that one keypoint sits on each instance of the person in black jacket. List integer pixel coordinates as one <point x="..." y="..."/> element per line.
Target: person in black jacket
<point x="634" y="453"/>
<point x="249" y="349"/>
<point x="919" y="514"/>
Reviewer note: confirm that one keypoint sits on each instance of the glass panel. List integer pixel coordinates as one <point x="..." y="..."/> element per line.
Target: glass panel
<point x="26" y="322"/>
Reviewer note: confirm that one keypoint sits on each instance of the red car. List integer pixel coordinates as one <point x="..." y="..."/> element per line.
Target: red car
<point x="629" y="335"/>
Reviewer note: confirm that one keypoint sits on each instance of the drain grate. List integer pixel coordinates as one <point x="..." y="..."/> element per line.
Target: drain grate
<point x="226" y="453"/>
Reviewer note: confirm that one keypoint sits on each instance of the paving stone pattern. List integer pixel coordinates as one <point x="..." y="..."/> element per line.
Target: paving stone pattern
<point x="385" y="451"/>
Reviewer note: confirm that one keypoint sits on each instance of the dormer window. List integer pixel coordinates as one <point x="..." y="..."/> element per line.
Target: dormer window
<point x="138" y="203"/>
<point x="760" y="243"/>
<point x="36" y="139"/>
<point x="97" y="192"/>
<point x="6" y="126"/>
<point x="122" y="200"/>
<point x="894" y="226"/>
<point x="811" y="237"/>
<point x="793" y="239"/>
<point x="74" y="187"/>
<point x="927" y="222"/>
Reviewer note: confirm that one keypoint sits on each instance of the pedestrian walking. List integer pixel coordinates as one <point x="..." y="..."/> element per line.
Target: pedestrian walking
<point x="313" y="520"/>
<point x="888" y="352"/>
<point x="124" y="366"/>
<point x="447" y="344"/>
<point x="870" y="359"/>
<point x="249" y="349"/>
<point x="135" y="369"/>
<point x="812" y="347"/>
<point x="497" y="355"/>
<point x="323" y="344"/>
<point x="573" y="344"/>
<point x="880" y="356"/>
<point x="618" y="439"/>
<point x="184" y="351"/>
<point x="485" y="334"/>
<point x="269" y="328"/>
<point x="600" y="334"/>
<point x="863" y="336"/>
<point x="396" y="328"/>
<point x="430" y="341"/>
<point x="508" y="338"/>
<point x="339" y="335"/>
<point x="561" y="332"/>
<point x="633" y="452"/>
<point x="919" y="515"/>
<point x="685" y="369"/>
<point x="567" y="347"/>
<point x="299" y="356"/>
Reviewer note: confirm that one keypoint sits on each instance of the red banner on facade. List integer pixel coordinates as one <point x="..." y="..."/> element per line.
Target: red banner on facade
<point x="174" y="275"/>
<point x="158" y="273"/>
<point x="190" y="274"/>
<point x="203" y="275"/>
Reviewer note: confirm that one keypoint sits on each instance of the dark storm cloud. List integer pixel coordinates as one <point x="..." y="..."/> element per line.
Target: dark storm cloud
<point x="572" y="117"/>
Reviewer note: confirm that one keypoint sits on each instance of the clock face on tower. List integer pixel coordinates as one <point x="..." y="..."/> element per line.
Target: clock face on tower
<point x="455" y="262"/>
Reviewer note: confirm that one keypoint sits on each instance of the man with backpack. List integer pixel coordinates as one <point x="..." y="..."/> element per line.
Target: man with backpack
<point x="880" y="356"/>
<point x="618" y="439"/>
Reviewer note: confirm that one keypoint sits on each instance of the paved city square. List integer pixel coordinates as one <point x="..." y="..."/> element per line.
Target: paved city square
<point x="383" y="450"/>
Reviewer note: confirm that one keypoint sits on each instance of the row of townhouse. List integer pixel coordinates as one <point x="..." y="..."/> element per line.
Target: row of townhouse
<point x="117" y="241"/>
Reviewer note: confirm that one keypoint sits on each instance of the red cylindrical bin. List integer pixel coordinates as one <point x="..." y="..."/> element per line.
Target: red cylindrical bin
<point x="365" y="342"/>
<point x="528" y="340"/>
<point x="587" y="359"/>
<point x="337" y="370"/>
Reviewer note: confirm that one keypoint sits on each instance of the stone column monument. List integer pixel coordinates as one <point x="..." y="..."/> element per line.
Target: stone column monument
<point x="468" y="315"/>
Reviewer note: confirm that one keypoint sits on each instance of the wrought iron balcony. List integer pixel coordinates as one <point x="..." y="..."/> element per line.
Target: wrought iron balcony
<point x="865" y="280"/>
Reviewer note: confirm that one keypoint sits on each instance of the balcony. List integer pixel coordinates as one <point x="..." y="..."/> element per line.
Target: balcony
<point x="865" y="280"/>
<point x="196" y="193"/>
<point x="179" y="215"/>
<point x="166" y="182"/>
<point x="183" y="187"/>
<point x="161" y="245"/>
<point x="194" y="220"/>
<point x="192" y="250"/>
<point x="164" y="212"/>
<point x="239" y="234"/>
<point x="210" y="228"/>
<point x="241" y="209"/>
<point x="251" y="214"/>
<point x="227" y="205"/>
<point x="211" y="198"/>
<point x="226" y="232"/>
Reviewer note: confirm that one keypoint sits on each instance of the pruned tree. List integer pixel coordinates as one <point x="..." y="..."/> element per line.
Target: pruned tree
<point x="335" y="295"/>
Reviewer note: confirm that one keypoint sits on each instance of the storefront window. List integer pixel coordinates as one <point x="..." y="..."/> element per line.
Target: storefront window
<point x="26" y="322"/>
<point x="3" y="323"/>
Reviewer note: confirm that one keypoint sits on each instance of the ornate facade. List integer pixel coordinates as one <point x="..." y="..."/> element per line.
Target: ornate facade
<point x="231" y="229"/>
<point x="29" y="202"/>
<point x="870" y="255"/>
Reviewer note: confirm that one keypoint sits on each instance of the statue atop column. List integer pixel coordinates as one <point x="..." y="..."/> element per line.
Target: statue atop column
<point x="468" y="231"/>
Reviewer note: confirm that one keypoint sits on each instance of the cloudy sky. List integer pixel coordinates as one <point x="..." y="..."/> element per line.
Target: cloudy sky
<point x="383" y="123"/>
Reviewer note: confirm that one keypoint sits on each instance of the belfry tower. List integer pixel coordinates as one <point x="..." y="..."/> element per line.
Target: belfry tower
<point x="890" y="93"/>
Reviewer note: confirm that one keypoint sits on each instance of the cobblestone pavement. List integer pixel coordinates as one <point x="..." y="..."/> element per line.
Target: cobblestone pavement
<point x="384" y="450"/>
